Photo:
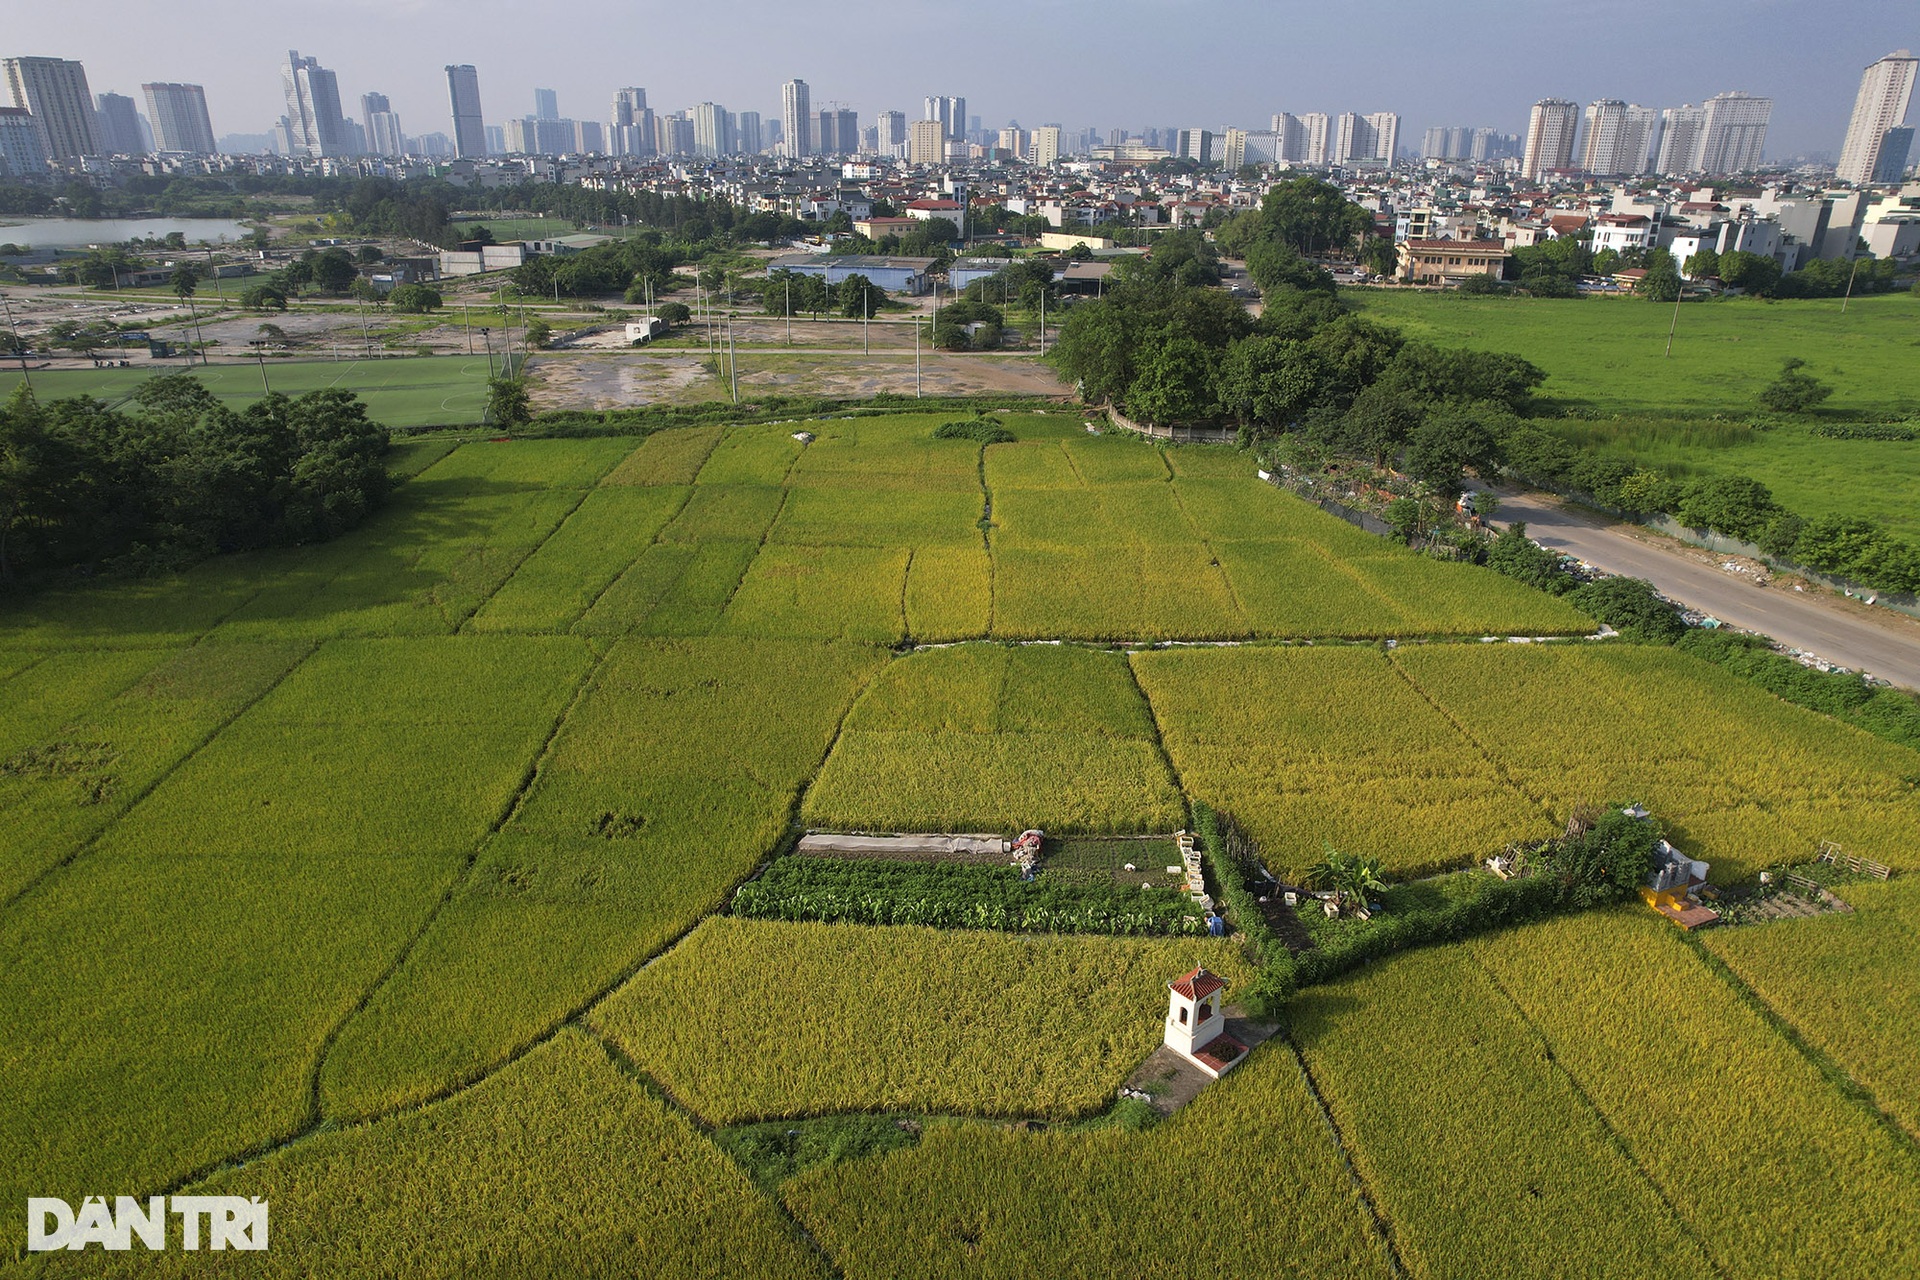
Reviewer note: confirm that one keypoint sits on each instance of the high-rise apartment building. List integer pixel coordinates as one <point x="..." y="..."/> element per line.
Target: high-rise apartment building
<point x="890" y="131"/>
<point x="315" y="125"/>
<point x="1682" y="129"/>
<point x="952" y="115"/>
<point x="1013" y="139"/>
<point x="180" y="121"/>
<point x="546" y="104"/>
<point x="1196" y="145"/>
<point x="1043" y="147"/>
<point x="589" y="138"/>
<point x="1551" y="126"/>
<point x="1618" y="135"/>
<point x="1366" y="140"/>
<point x="382" y="125"/>
<point x="55" y="91"/>
<point x="796" y="123"/>
<point x="630" y="133"/>
<point x="746" y="131"/>
<point x="836" y="132"/>
<point x="117" y="125"/>
<point x="1880" y="106"/>
<point x="1303" y="138"/>
<point x="926" y="142"/>
<point x="463" y="97"/>
<point x="712" y="131"/>
<point x="1733" y="132"/>
<point x="1244" y="147"/>
<point x="23" y="152"/>
<point x="673" y="134"/>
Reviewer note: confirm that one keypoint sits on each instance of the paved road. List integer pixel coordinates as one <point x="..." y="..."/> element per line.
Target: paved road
<point x="1879" y="641"/>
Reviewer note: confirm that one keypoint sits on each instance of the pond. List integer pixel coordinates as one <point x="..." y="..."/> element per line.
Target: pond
<point x="78" y="233"/>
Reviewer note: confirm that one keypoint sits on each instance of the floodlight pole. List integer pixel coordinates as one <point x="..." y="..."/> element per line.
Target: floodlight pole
<point x="466" y="315"/>
<point x="260" y="350"/>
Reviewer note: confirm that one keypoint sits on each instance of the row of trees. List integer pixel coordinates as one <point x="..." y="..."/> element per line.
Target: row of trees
<point x="85" y="489"/>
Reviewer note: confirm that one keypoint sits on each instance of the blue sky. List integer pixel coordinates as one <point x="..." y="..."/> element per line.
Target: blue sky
<point x="1114" y="63"/>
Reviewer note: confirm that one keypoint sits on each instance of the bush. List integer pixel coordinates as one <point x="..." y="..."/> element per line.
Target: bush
<point x="1520" y="558"/>
<point x="985" y="430"/>
<point x="415" y="299"/>
<point x="1273" y="982"/>
<point x="1794" y="391"/>
<point x="1892" y="714"/>
<point x="1632" y="607"/>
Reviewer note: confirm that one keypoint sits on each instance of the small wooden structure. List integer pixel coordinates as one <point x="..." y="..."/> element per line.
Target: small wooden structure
<point x="1834" y="855"/>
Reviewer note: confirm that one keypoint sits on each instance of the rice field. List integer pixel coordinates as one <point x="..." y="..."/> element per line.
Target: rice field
<point x="1330" y="747"/>
<point x="989" y="738"/>
<point x="898" y="1019"/>
<point x="1761" y="1159"/>
<point x="1845" y="982"/>
<point x="324" y="872"/>
<point x="1244" y="1181"/>
<point x="401" y="391"/>
<point x="1507" y="1160"/>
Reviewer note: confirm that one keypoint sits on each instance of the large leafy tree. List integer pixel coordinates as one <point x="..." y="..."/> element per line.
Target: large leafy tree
<point x="1312" y="217"/>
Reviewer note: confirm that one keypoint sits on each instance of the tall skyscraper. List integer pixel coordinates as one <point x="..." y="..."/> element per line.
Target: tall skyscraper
<point x="1386" y="135"/>
<point x="22" y="151"/>
<point x="463" y="95"/>
<point x="1734" y="131"/>
<point x="1307" y="137"/>
<point x="315" y="125"/>
<point x="55" y="91"/>
<point x="382" y="123"/>
<point x="796" y="123"/>
<point x="118" y="125"/>
<point x="1682" y="129"/>
<point x="546" y="104"/>
<point x="892" y="127"/>
<point x="631" y="133"/>
<point x="1617" y="137"/>
<point x="1550" y="129"/>
<point x="712" y="131"/>
<point x="1879" y="107"/>
<point x="836" y="133"/>
<point x="179" y="115"/>
<point x="952" y="115"/>
<point x="589" y="138"/>
<point x="746" y="131"/>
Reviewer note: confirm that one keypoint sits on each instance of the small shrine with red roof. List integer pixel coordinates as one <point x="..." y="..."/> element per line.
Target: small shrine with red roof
<point x="1197" y="1022"/>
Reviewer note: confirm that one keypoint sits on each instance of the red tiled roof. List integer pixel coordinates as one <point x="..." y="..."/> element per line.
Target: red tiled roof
<point x="1197" y="984"/>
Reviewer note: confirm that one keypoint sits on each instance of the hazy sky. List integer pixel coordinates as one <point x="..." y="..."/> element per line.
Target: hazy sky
<point x="1113" y="63"/>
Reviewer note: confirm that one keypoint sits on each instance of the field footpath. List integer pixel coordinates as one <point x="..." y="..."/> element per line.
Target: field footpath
<point x="1857" y="636"/>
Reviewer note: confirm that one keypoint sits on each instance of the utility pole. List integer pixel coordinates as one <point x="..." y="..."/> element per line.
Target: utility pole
<point x="916" y="357"/>
<point x="789" y="310"/>
<point x="1674" y="327"/>
<point x="24" y="375"/>
<point x="733" y="361"/>
<point x="1849" y="294"/>
<point x="466" y="315"/>
<point x="486" y="336"/>
<point x="260" y="350"/>
<point x="1043" y="319"/>
<point x="866" y="321"/>
<point x="366" y="334"/>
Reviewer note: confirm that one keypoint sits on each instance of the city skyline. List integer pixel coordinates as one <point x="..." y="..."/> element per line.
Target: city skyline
<point x="1255" y="65"/>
